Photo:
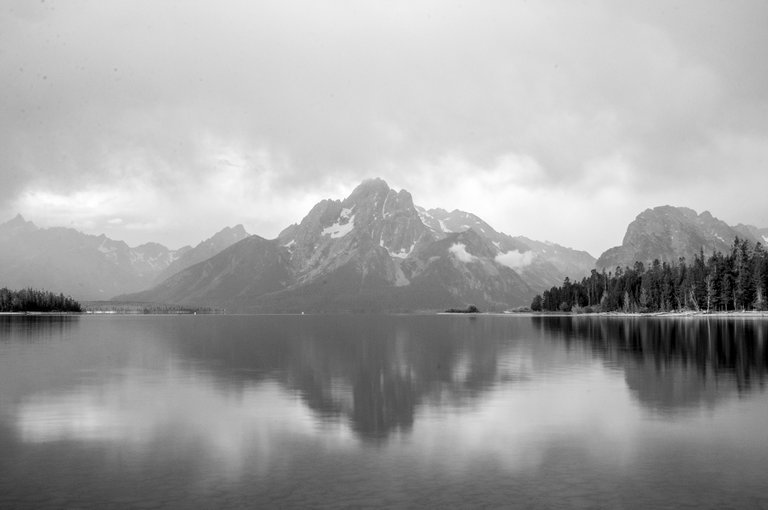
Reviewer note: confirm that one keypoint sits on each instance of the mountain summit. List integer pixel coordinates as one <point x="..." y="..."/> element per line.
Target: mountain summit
<point x="668" y="233"/>
<point x="17" y="223"/>
<point x="372" y="251"/>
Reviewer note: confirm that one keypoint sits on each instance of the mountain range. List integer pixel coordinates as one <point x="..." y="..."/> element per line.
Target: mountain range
<point x="374" y="251"/>
<point x="668" y="233"/>
<point x="92" y="267"/>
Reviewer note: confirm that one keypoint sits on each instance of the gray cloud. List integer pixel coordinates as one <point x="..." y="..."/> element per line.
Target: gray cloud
<point x="631" y="100"/>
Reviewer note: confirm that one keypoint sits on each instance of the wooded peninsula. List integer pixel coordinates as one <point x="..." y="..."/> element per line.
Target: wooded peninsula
<point x="33" y="300"/>
<point x="723" y="282"/>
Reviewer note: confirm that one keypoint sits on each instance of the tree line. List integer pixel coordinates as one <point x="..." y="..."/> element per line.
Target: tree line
<point x="33" y="300"/>
<point x="737" y="280"/>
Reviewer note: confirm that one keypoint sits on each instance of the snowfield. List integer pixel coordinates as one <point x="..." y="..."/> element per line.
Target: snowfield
<point x="337" y="229"/>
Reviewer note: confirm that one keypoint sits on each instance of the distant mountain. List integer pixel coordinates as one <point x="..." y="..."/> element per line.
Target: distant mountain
<point x="747" y="231"/>
<point x="373" y="251"/>
<point x="85" y="266"/>
<point x="668" y="233"/>
<point x="540" y="264"/>
<point x="205" y="250"/>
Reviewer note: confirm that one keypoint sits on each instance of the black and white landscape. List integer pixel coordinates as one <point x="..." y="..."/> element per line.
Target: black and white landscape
<point x="398" y="254"/>
<point x="669" y="233"/>
<point x="374" y="251"/>
<point x="93" y="267"/>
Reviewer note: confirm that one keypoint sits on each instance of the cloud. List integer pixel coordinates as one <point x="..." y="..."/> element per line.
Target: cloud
<point x="459" y="251"/>
<point x="515" y="259"/>
<point x="307" y="98"/>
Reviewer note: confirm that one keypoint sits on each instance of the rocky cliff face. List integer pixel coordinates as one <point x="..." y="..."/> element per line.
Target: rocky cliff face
<point x="668" y="233"/>
<point x="540" y="264"/>
<point x="375" y="228"/>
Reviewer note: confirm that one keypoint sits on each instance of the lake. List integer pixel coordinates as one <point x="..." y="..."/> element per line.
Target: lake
<point x="392" y="411"/>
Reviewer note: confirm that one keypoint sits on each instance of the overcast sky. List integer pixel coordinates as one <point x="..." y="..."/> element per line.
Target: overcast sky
<point x="168" y="120"/>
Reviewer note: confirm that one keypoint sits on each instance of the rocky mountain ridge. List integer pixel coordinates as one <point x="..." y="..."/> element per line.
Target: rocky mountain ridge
<point x="668" y="233"/>
<point x="204" y="250"/>
<point x="372" y="251"/>
<point x="540" y="264"/>
<point x="88" y="267"/>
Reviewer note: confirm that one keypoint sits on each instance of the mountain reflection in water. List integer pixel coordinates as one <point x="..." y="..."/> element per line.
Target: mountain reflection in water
<point x="375" y="372"/>
<point x="370" y="370"/>
<point x="297" y="411"/>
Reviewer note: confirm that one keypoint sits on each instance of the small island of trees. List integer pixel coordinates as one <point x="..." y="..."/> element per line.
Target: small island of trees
<point x="723" y="282"/>
<point x="33" y="300"/>
<point x="469" y="309"/>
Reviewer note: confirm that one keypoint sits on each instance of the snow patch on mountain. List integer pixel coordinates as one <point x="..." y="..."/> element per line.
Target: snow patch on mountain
<point x="340" y="229"/>
<point x="402" y="254"/>
<point x="459" y="251"/>
<point x="765" y="238"/>
<point x="515" y="259"/>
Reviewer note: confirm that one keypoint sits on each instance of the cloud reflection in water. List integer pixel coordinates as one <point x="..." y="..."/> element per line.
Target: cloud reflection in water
<point x="435" y="396"/>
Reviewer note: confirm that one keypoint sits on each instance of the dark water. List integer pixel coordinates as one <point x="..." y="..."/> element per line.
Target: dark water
<point x="399" y="411"/>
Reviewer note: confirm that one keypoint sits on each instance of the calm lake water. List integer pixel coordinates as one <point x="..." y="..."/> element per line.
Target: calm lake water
<point x="398" y="411"/>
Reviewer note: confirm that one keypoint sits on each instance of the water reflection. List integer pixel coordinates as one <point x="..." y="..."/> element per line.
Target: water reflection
<point x="115" y="377"/>
<point x="673" y="364"/>
<point x="403" y="411"/>
<point x="372" y="372"/>
<point x="35" y="327"/>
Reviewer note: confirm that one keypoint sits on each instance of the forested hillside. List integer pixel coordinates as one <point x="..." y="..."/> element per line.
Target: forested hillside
<point x="737" y="280"/>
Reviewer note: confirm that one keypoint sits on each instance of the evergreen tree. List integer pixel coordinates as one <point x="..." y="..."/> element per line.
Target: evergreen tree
<point x="32" y="300"/>
<point x="721" y="282"/>
<point x="536" y="304"/>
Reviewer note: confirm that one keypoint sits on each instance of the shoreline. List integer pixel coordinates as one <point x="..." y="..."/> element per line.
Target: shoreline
<point x="685" y="314"/>
<point x="675" y="315"/>
<point x="42" y="313"/>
